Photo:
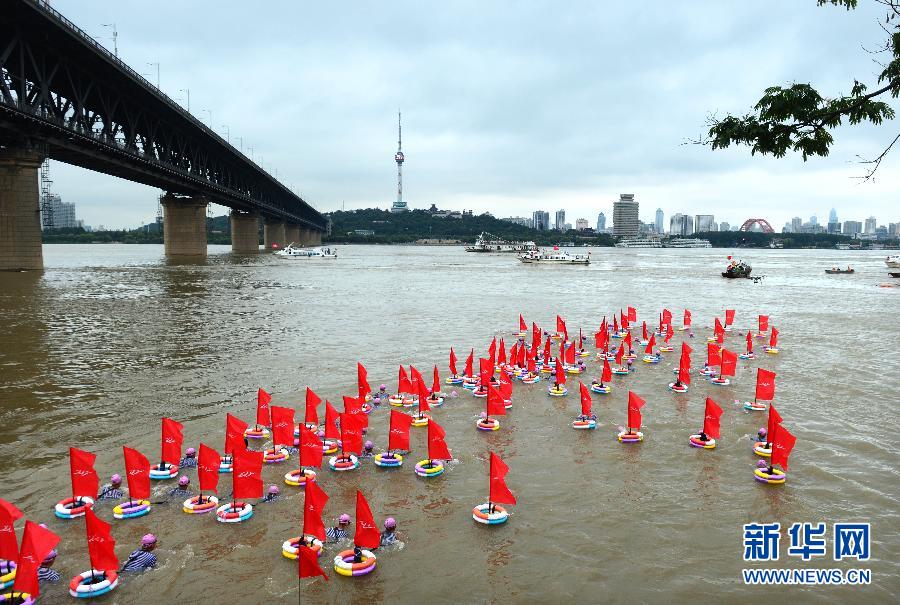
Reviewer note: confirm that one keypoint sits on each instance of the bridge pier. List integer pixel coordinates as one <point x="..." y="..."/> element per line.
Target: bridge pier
<point x="273" y="233"/>
<point x="244" y="232"/>
<point x="20" y="215"/>
<point x="184" y="225"/>
<point x="292" y="234"/>
<point x="315" y="237"/>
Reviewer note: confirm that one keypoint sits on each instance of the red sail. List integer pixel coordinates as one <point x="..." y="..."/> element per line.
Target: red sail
<point x="687" y="318"/>
<point x="362" y="380"/>
<point x="749" y="342"/>
<point x="436" y="382"/>
<point x="37" y="543"/>
<point x="495" y="405"/>
<point x="729" y="363"/>
<point x="782" y="445"/>
<point x="453" y="363"/>
<point x="398" y="438"/>
<point x="331" y="416"/>
<point x="9" y="545"/>
<point x="686" y="350"/>
<point x="81" y="468"/>
<point x="669" y="332"/>
<point x="535" y="336"/>
<point x="308" y="562"/>
<point x="635" y="404"/>
<point x="499" y="492"/>
<point x="415" y="380"/>
<point x="619" y="354"/>
<point x="561" y="327"/>
<point x="208" y="461"/>
<point x="632" y="314"/>
<point x="101" y="545"/>
<point x="729" y="317"/>
<point x="546" y="349"/>
<point x="310" y="448"/>
<point x="247" y="475"/>
<point x="352" y="405"/>
<point x="650" y="345"/>
<point x="314" y="501"/>
<point x="367" y="534"/>
<point x="616" y="323"/>
<point x="560" y="373"/>
<point x="352" y="426"/>
<point x="667" y="317"/>
<point x="718" y="329"/>
<point x="470" y="372"/>
<point x="684" y="367"/>
<point x="585" y="400"/>
<point x="627" y="340"/>
<point x="644" y="331"/>
<point x="763" y="324"/>
<point x="263" y="399"/>
<point x="711" y="418"/>
<point x="282" y="426"/>
<point x="506" y="388"/>
<point x="570" y="355"/>
<point x="172" y="439"/>
<point x="485" y="370"/>
<point x="773" y="338"/>
<point x="773" y="423"/>
<point x="713" y="355"/>
<point x="765" y="385"/>
<point x="137" y="471"/>
<point x="403" y="383"/>
<point x="523" y="327"/>
<point x="312" y="403"/>
<point x="606" y="376"/>
<point x="234" y="434"/>
<point x="437" y="447"/>
<point x="501" y="355"/>
<point x="422" y="393"/>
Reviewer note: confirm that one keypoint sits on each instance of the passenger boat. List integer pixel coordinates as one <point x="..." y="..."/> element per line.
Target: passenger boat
<point x="736" y="269"/>
<point x="687" y="242"/>
<point x="491" y="243"/>
<point x="835" y="271"/>
<point x="639" y="242"/>
<point x="556" y="257"/>
<point x="291" y="251"/>
<point x="893" y="261"/>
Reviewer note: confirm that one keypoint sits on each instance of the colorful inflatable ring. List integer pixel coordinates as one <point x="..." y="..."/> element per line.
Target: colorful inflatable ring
<point x="82" y="588"/>
<point x="561" y="392"/>
<point x="409" y="402"/>
<point x="193" y="506"/>
<point x="573" y="370"/>
<point x="760" y="449"/>
<point x="481" y="515"/>
<point x="276" y="456"/>
<point x="160" y="474"/>
<point x="67" y="509"/>
<point x="387" y="460"/>
<point x="526" y="379"/>
<point x="711" y="339"/>
<point x="643" y="342"/>
<point x="604" y="389"/>
<point x="257" y="433"/>
<point x="429" y="468"/>
<point x="582" y="353"/>
<point x="226" y="464"/>
<point x="131" y="509"/>
<point x="619" y="334"/>
<point x="632" y="437"/>
<point x="706" y="372"/>
<point x="652" y="359"/>
<point x="776" y="478"/>
<point x="547" y="369"/>
<point x="344" y="565"/>
<point x="610" y="356"/>
<point x="722" y="381"/>
<point x="584" y="424"/>
<point x="20" y="598"/>
<point x="436" y="402"/>
<point x="754" y="406"/>
<point x="290" y="549"/>
<point x="666" y="349"/>
<point x="234" y="512"/>
<point x="7" y="573"/>
<point x="621" y="371"/>
<point x="470" y="383"/>
<point x="420" y="420"/>
<point x="747" y="356"/>
<point x="487" y="424"/>
<point x="298" y="478"/>
<point x="329" y="446"/>
<point x="773" y="351"/>
<point x="395" y="400"/>
<point x="480" y="392"/>
<point x="682" y="389"/>
<point x="682" y="328"/>
<point x="367" y="408"/>
<point x="454" y="379"/>
<point x="343" y="463"/>
<point x="707" y="445"/>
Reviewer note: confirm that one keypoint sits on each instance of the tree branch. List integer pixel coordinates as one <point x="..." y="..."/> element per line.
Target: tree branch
<point x="876" y="162"/>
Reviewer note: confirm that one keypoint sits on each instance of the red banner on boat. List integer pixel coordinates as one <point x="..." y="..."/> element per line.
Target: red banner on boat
<point x="765" y="385"/>
<point x="606" y="376"/>
<point x="570" y="355"/>
<point x="101" y="545"/>
<point x="310" y="448"/>
<point x="331" y="416"/>
<point x="37" y="542"/>
<point x="501" y="356"/>
<point x="9" y="545"/>
<point x="749" y="342"/>
<point x="495" y="405"/>
<point x="773" y="338"/>
<point x="282" y="426"/>
<point x="263" y="399"/>
<point x="362" y="380"/>
<point x="234" y="434"/>
<point x="635" y="404"/>
<point x="632" y="314"/>
<point x="561" y="328"/>
<point x="485" y="370"/>
<point x="772" y="425"/>
<point x="352" y="426"/>
<point x="713" y="355"/>
<point x="523" y="327"/>
<point x="314" y="501"/>
<point x="729" y="317"/>
<point x="137" y="471"/>
<point x="499" y="493"/>
<point x="398" y="438"/>
<point x="437" y="447"/>
<point x="415" y="380"/>
<point x="208" y="461"/>
<point x="308" y="562"/>
<point x="560" y="373"/>
<point x="763" y="324"/>
<point x="367" y="534"/>
<point x="711" y="418"/>
<point x="247" y="474"/>
<point x="453" y="363"/>
<point x="81" y="468"/>
<point x="585" y="400"/>
<point x="403" y="383"/>
<point x="729" y="363"/>
<point x="667" y="317"/>
<point x="312" y="404"/>
<point x="470" y="360"/>
<point x="172" y="439"/>
<point x="436" y="382"/>
<point x="718" y="328"/>
<point x="353" y="405"/>
<point x="650" y="345"/>
<point x="781" y="446"/>
<point x="687" y="318"/>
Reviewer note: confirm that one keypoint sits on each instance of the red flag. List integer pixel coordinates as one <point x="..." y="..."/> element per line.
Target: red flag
<point x="560" y="374"/>
<point x="415" y="380"/>
<point x="495" y="405"/>
<point x="667" y="317"/>
<point x="585" y="400"/>
<point x="570" y="355"/>
<point x="9" y="545"/>
<point x="398" y="438"/>
<point x="362" y="380"/>
<point x="331" y="416"/>
<point x="367" y="534"/>
<point x="263" y="400"/>
<point x="247" y="475"/>
<point x="101" y="545"/>
<point x="523" y="327"/>
<point x="606" y="376"/>
<point x="171" y="441"/>
<point x="763" y="324"/>
<point x="312" y="402"/>
<point x="718" y="329"/>
<point x="501" y="356"/>
<point x="774" y="421"/>
<point x="499" y="492"/>
<point x="353" y="405"/>
<point x="713" y="356"/>
<point x="687" y="318"/>
<point x="644" y="331"/>
<point x="282" y="426"/>
<point x="619" y="354"/>
<point x="627" y="340"/>
<point x="711" y="419"/>
<point x="749" y="342"/>
<point x="782" y="446"/>
<point x="351" y="432"/>
<point x="765" y="385"/>
<point x="650" y="345"/>
<point x="729" y="317"/>
<point x="485" y="370"/>
<point x="137" y="471"/>
<point x="84" y="478"/>
<point x="208" y="461"/>
<point x="616" y="323"/>
<point x="561" y="327"/>
<point x="684" y="369"/>
<point x="492" y="349"/>
<point x="403" y="384"/>
<point x="469" y="361"/>
<point x="632" y="314"/>
<point x="423" y="397"/>
<point x="669" y="332"/>
<point x="313" y="505"/>
<point x="635" y="404"/>
<point x="308" y="562"/>
<point x="310" y="448"/>
<point x="453" y="363"/>
<point x="37" y="543"/>
<point x="234" y="434"/>
<point x="773" y="338"/>
<point x="505" y="389"/>
<point x="729" y="362"/>
<point x="437" y="447"/>
<point x="535" y="337"/>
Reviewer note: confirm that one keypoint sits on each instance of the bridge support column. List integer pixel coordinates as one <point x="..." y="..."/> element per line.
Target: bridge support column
<point x="244" y="232"/>
<point x="305" y="238"/>
<point x="292" y="234"/>
<point x="184" y="225"/>
<point x="273" y="233"/>
<point x="20" y="216"/>
<point x="315" y="237"/>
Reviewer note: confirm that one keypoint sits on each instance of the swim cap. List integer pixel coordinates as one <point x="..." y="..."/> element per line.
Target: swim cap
<point x="190" y="452"/>
<point x="321" y="434"/>
<point x="761" y="464"/>
<point x="369" y="445"/>
<point x="763" y="431"/>
<point x="148" y="539"/>
<point x="344" y="518"/>
<point x="116" y="479"/>
<point x="383" y="387"/>
<point x="390" y="523"/>
<point x="49" y="558"/>
<point x="484" y="414"/>
<point x="273" y="489"/>
<point x="184" y="480"/>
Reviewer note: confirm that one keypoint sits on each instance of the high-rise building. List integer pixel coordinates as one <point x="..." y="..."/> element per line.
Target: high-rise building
<point x="832" y="216"/>
<point x="681" y="224"/>
<point x="560" y="224"/>
<point x="724" y="226"/>
<point x="796" y="224"/>
<point x="60" y="215"/>
<point x="870" y="225"/>
<point x="786" y="228"/>
<point x="625" y="216"/>
<point x="852" y="228"/>
<point x="541" y="220"/>
<point x="834" y="227"/>
<point x="659" y="221"/>
<point x="814" y="220"/>
<point x="704" y="222"/>
<point x="601" y="222"/>
<point x="581" y="224"/>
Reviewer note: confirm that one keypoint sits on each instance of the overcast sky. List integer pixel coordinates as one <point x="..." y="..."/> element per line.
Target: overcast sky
<point x="507" y="107"/>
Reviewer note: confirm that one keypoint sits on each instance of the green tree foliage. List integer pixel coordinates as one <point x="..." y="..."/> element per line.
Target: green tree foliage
<point x="798" y="118"/>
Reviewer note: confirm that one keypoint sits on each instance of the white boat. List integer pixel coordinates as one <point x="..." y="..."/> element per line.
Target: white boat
<point x="687" y="242"/>
<point x="639" y="242"/>
<point x="491" y="243"/>
<point x="291" y="251"/>
<point x="554" y="257"/>
<point x="893" y="261"/>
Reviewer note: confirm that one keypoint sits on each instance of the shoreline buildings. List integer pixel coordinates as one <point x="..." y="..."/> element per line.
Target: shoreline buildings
<point x="626" y="222"/>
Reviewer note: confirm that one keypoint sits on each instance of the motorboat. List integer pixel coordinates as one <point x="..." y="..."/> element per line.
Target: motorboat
<point x="893" y="261"/>
<point x="737" y="269"/>
<point x="491" y="243"/>
<point x="292" y="251"/>
<point x="554" y="257"/>
<point x="838" y="271"/>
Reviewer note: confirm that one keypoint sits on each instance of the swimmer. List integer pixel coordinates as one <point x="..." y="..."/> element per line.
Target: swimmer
<point x="143" y="558"/>
<point x="112" y="490"/>
<point x="190" y="458"/>
<point x="367" y="450"/>
<point x="272" y="494"/>
<point x="335" y="534"/>
<point x="44" y="573"/>
<point x="182" y="490"/>
<point x="388" y="536"/>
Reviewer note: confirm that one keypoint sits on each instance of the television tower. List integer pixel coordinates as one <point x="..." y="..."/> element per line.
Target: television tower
<point x="398" y="157"/>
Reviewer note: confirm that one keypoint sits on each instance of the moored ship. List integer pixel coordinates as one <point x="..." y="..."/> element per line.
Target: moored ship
<point x="487" y="242"/>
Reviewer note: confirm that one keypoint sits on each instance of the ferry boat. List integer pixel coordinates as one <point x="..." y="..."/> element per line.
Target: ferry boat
<point x="639" y="242"/>
<point x="291" y="251"/>
<point x="893" y="261"/>
<point x="688" y="242"/>
<point x="554" y="257"/>
<point x="491" y="243"/>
